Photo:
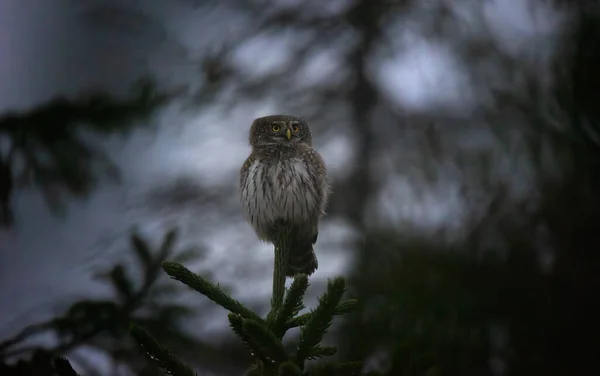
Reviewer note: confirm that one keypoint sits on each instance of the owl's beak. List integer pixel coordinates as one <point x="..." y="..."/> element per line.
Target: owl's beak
<point x="288" y="134"/>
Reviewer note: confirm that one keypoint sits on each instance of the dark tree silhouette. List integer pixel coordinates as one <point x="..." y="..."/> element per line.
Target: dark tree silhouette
<point x="48" y="148"/>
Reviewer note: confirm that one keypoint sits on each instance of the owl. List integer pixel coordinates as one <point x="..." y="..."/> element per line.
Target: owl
<point x="284" y="186"/>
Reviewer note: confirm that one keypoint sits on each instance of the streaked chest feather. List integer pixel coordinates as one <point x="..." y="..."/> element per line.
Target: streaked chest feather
<point x="281" y="190"/>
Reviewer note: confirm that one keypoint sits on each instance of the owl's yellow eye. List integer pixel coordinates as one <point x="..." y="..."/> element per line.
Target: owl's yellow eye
<point x="296" y="128"/>
<point x="276" y="128"/>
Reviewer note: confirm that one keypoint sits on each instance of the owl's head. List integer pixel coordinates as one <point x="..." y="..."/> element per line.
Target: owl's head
<point x="279" y="130"/>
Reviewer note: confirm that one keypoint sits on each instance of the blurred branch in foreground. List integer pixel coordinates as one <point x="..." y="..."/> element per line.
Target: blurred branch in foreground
<point x="49" y="146"/>
<point x="104" y="324"/>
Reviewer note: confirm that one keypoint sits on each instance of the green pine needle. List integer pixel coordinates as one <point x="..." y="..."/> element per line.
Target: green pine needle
<point x="345" y="307"/>
<point x="282" y="256"/>
<point x="291" y="305"/>
<point x="158" y="353"/>
<point x="342" y="308"/>
<point x="268" y="344"/>
<point x="320" y="319"/>
<point x="237" y="325"/>
<point x="321" y="352"/>
<point x="210" y="290"/>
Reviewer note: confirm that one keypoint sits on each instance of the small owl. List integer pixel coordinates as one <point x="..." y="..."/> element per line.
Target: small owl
<point x="284" y="185"/>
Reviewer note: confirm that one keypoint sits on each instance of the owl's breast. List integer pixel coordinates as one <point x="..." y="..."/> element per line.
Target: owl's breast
<point x="280" y="189"/>
<point x="294" y="193"/>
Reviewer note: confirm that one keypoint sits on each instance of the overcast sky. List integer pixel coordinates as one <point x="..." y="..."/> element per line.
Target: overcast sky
<point x="46" y="48"/>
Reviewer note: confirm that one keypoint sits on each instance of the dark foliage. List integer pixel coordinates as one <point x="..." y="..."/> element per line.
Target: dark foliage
<point x="523" y="302"/>
<point x="50" y="147"/>
<point x="104" y="324"/>
<point x="263" y="336"/>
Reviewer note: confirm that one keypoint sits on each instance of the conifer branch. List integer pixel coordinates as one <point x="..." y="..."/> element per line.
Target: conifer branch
<point x="282" y="256"/>
<point x="266" y="341"/>
<point x="210" y="290"/>
<point x="264" y="337"/>
<point x="320" y="352"/>
<point x="237" y="325"/>
<point x="320" y="320"/>
<point x="278" y="283"/>
<point x="292" y="304"/>
<point x="158" y="353"/>
<point x="342" y="309"/>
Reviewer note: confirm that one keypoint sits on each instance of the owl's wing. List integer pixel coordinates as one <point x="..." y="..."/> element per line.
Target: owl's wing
<point x="318" y="177"/>
<point x="245" y="168"/>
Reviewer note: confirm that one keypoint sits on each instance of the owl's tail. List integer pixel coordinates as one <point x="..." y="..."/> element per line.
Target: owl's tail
<point x="303" y="260"/>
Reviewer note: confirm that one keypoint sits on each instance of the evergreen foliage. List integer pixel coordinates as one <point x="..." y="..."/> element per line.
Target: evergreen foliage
<point x="263" y="336"/>
<point x="49" y="148"/>
<point x="104" y="324"/>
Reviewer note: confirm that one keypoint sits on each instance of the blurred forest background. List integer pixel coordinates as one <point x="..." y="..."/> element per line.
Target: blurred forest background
<point x="462" y="140"/>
